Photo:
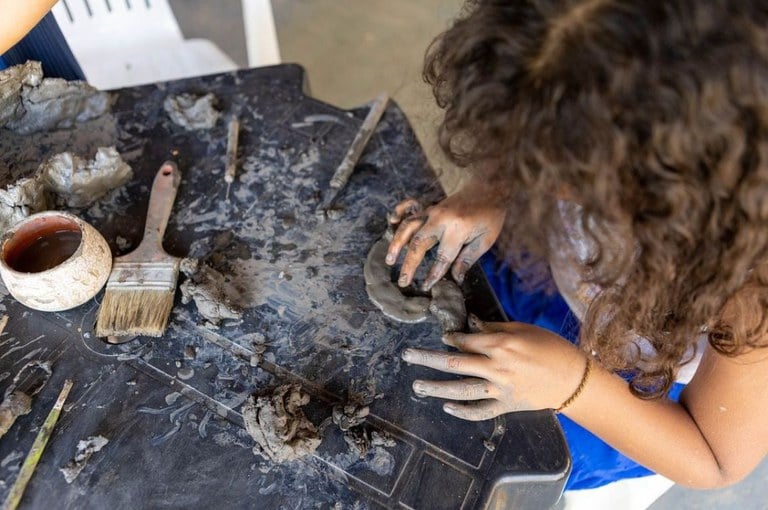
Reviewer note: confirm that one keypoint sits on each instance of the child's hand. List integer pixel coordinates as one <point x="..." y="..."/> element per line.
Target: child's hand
<point x="465" y="225"/>
<point x="511" y="367"/>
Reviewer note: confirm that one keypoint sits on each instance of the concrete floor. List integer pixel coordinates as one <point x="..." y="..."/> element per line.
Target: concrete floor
<point x="352" y="50"/>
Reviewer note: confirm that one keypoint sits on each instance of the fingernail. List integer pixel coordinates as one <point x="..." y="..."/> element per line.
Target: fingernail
<point x="448" y="408"/>
<point x="427" y="286"/>
<point x="390" y="259"/>
<point x="407" y="355"/>
<point x="403" y="281"/>
<point x="460" y="278"/>
<point x="418" y="387"/>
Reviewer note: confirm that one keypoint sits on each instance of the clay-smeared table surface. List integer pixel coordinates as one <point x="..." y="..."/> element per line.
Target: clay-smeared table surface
<point x="171" y="407"/>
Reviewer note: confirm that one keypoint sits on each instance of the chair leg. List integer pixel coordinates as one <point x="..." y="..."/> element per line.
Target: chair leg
<point x="260" y="34"/>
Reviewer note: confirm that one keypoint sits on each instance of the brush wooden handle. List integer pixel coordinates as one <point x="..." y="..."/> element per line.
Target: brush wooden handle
<point x="161" y="200"/>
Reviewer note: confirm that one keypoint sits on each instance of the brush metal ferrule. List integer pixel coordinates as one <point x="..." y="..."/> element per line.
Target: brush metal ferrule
<point x="144" y="275"/>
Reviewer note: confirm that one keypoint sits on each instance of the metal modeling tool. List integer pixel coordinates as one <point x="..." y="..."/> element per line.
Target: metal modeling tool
<point x="344" y="171"/>
<point x="232" y="139"/>
<point x="33" y="457"/>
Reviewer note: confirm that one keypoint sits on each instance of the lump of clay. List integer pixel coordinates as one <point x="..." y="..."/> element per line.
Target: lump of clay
<point x="31" y="103"/>
<point x="21" y="199"/>
<point x="63" y="180"/>
<point x="78" y="182"/>
<point x="192" y="112"/>
<point x="12" y="80"/>
<point x="278" y="425"/>
<point x="448" y="306"/>
<point x="213" y="295"/>
<point x="385" y="294"/>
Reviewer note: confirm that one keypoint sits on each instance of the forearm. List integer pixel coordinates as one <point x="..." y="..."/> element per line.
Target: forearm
<point x="658" y="434"/>
<point x="18" y="17"/>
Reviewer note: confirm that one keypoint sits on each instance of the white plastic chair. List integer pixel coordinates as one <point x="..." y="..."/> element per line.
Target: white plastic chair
<point x="122" y="43"/>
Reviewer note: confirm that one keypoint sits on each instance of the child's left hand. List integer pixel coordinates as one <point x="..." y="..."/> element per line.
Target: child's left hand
<point x="511" y="367"/>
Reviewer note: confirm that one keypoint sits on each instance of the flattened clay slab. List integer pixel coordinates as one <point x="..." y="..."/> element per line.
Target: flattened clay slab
<point x="385" y="294"/>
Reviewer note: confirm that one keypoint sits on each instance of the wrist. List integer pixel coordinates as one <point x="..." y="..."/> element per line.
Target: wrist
<point x="580" y="387"/>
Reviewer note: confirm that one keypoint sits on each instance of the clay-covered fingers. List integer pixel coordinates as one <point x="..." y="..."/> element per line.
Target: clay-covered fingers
<point x="421" y="242"/>
<point x="479" y="326"/>
<point x="408" y="227"/>
<point x="407" y="207"/>
<point x="475" y="343"/>
<point x="470" y="254"/>
<point x="464" y="389"/>
<point x="454" y="363"/>
<point x="450" y="247"/>
<point x="475" y="411"/>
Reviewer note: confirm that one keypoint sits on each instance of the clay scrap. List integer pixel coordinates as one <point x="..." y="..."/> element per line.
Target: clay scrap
<point x="448" y="305"/>
<point x="278" y="425"/>
<point x="30" y="103"/>
<point x="347" y="416"/>
<point x="446" y="302"/>
<point x="192" y="112"/>
<point x="85" y="450"/>
<point x="215" y="297"/>
<point x="63" y="180"/>
<point x="362" y="441"/>
<point x="27" y="383"/>
<point x="21" y="199"/>
<point x="78" y="182"/>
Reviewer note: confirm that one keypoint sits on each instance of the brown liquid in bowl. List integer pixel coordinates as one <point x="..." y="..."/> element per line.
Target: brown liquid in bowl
<point x="37" y="248"/>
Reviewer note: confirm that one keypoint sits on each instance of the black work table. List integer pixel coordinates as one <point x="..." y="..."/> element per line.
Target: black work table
<point x="303" y="280"/>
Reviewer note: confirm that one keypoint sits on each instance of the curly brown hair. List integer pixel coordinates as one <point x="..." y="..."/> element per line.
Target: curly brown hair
<point x="651" y="115"/>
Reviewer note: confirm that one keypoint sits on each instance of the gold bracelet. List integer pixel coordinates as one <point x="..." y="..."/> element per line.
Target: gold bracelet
<point x="579" y="388"/>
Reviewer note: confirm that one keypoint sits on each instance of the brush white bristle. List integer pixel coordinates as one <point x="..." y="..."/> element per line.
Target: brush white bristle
<point x="134" y="311"/>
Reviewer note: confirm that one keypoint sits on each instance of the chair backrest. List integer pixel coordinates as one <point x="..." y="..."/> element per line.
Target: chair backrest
<point x="93" y="25"/>
<point x="121" y="43"/>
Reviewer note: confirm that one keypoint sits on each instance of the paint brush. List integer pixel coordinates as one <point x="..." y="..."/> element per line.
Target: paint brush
<point x="344" y="171"/>
<point x="141" y="287"/>
<point x="36" y="452"/>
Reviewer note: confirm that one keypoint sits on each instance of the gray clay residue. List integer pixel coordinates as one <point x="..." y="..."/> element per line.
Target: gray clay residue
<point x="192" y="112"/>
<point x="215" y="297"/>
<point x="85" y="450"/>
<point x="447" y="302"/>
<point x="385" y="294"/>
<point x="278" y="425"/>
<point x="30" y="103"/>
<point x="448" y="305"/>
<point x="63" y="180"/>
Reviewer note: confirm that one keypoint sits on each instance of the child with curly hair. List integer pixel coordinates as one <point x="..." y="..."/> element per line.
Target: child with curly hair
<point x="619" y="150"/>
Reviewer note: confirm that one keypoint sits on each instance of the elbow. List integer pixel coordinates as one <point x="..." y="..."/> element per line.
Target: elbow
<point x="718" y="479"/>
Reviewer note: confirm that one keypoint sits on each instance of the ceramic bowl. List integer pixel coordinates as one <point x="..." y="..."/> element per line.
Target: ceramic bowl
<point x="54" y="261"/>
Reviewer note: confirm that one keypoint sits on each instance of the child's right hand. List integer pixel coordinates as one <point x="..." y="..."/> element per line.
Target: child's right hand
<point x="465" y="225"/>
